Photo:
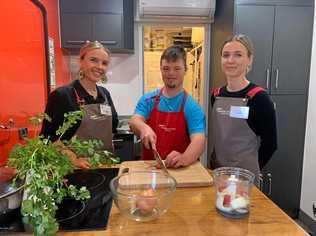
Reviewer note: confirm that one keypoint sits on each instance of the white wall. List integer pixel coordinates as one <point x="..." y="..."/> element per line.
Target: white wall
<point x="308" y="194"/>
<point x="124" y="81"/>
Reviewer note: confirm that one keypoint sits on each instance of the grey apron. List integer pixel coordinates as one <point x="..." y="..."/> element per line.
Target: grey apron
<point x="236" y="145"/>
<point x="96" y="123"/>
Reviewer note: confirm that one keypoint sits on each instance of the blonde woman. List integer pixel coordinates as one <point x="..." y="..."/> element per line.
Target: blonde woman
<point x="243" y="115"/>
<point x="84" y="93"/>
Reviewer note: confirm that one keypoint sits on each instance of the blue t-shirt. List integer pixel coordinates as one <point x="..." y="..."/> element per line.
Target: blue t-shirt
<point x="193" y="112"/>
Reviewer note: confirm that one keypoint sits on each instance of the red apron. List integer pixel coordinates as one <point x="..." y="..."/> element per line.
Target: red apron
<point x="170" y="128"/>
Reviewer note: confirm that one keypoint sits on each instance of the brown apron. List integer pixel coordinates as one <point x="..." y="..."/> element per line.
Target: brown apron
<point x="96" y="122"/>
<point x="236" y="145"/>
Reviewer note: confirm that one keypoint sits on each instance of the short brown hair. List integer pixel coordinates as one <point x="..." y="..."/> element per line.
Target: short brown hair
<point x="174" y="53"/>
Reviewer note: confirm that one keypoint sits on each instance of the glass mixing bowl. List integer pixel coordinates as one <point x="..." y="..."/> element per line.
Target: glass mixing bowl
<point x="143" y="195"/>
<point x="233" y="188"/>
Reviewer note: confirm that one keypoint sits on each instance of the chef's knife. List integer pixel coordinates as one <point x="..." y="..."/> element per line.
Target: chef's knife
<point x="158" y="159"/>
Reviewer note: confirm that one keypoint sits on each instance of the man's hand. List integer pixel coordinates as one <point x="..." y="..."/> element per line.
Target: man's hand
<point x="175" y="160"/>
<point x="148" y="137"/>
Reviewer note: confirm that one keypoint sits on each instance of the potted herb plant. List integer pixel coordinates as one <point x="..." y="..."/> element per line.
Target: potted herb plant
<point x="44" y="166"/>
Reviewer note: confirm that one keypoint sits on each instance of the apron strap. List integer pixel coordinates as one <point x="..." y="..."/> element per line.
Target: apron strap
<point x="252" y="92"/>
<point x="157" y="99"/>
<point x="79" y="100"/>
<point x="183" y="101"/>
<point x="103" y="94"/>
<point x="216" y="92"/>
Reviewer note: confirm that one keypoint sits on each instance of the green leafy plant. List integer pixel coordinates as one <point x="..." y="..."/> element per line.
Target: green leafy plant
<point x="44" y="166"/>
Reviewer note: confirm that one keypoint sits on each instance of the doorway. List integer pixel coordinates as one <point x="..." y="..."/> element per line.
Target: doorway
<point x="156" y="39"/>
<point x="194" y="38"/>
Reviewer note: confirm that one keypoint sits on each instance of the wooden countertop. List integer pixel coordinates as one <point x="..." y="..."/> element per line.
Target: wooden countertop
<point x="193" y="213"/>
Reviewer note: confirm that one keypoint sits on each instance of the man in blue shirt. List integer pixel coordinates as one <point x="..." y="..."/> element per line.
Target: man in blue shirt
<point x="169" y="120"/>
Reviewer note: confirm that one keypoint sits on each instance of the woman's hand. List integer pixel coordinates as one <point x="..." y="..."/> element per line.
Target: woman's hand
<point x="81" y="163"/>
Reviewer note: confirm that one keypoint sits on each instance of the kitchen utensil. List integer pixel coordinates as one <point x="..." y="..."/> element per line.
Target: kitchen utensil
<point x="160" y="161"/>
<point x="233" y="188"/>
<point x="158" y="158"/>
<point x="10" y="193"/>
<point x="194" y="175"/>
<point x="146" y="200"/>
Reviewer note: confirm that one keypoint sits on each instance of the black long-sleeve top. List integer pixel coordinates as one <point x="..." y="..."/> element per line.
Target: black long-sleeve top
<point x="261" y="119"/>
<point x="63" y="100"/>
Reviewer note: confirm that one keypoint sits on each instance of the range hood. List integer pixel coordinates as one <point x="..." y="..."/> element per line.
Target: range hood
<point x="176" y="8"/>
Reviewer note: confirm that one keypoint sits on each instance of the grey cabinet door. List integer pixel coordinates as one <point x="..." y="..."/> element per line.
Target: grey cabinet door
<point x="113" y="6"/>
<point x="257" y="22"/>
<point x="291" y="49"/>
<point x="285" y="167"/>
<point x="76" y="28"/>
<point x="107" y="28"/>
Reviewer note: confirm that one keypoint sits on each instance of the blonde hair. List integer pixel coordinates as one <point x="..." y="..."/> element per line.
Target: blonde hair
<point x="88" y="46"/>
<point x="245" y="41"/>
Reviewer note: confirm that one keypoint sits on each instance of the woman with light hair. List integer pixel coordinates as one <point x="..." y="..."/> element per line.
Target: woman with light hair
<point x="100" y="119"/>
<point x="243" y="115"/>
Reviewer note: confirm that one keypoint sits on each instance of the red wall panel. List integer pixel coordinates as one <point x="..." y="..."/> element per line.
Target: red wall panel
<point x="23" y="67"/>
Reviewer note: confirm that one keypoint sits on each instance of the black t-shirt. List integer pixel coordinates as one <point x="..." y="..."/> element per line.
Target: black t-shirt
<point x="63" y="100"/>
<point x="262" y="119"/>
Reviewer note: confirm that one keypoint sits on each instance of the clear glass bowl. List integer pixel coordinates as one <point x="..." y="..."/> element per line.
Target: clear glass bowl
<point x="143" y="195"/>
<point x="233" y="188"/>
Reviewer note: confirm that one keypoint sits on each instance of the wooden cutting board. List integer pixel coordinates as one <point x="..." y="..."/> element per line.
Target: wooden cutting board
<point x="194" y="175"/>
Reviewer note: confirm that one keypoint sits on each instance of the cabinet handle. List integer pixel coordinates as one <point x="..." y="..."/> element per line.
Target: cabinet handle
<point x="270" y="183"/>
<point x="75" y="41"/>
<point x="112" y="42"/>
<point x="260" y="181"/>
<point x="276" y="78"/>
<point x="267" y="78"/>
<point x="118" y="140"/>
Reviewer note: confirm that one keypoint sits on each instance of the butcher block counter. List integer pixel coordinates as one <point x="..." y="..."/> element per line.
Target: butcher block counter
<point x="193" y="213"/>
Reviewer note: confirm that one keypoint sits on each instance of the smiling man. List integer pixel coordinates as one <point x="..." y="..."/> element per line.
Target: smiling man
<point x="168" y="119"/>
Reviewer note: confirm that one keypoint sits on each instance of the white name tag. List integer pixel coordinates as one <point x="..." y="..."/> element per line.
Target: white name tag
<point x="105" y="110"/>
<point x="241" y="112"/>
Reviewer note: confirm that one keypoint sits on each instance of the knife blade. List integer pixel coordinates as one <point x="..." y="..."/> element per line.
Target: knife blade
<point x="160" y="161"/>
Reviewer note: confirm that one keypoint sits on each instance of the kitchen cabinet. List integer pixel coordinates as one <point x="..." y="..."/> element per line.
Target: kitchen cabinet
<point x="282" y="36"/>
<point x="283" y="173"/>
<point x="111" y="22"/>
<point x="281" y="31"/>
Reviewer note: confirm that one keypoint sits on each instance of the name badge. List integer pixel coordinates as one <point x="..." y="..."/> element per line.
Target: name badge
<point x="241" y="112"/>
<point x="105" y="110"/>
